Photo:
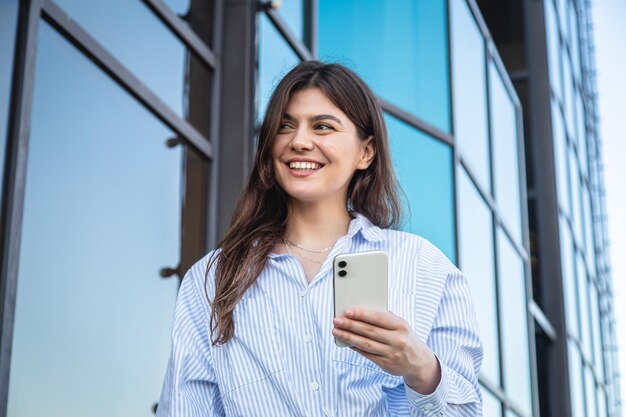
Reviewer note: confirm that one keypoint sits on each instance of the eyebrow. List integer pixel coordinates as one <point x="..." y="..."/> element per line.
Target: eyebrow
<point x="316" y="118"/>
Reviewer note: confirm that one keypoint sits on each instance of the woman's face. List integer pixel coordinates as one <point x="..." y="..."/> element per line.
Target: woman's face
<point x="317" y="150"/>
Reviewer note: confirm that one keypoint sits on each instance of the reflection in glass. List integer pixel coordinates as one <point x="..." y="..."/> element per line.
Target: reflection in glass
<point x="180" y="7"/>
<point x="477" y="262"/>
<point x="583" y="306"/>
<point x="576" y="203"/>
<point x="568" y="95"/>
<point x="594" y="308"/>
<point x="144" y="45"/>
<point x="588" y="226"/>
<point x="469" y="87"/>
<point x="582" y="134"/>
<point x="276" y="58"/>
<point x="590" y="391"/>
<point x="554" y="57"/>
<point x="101" y="217"/>
<point x="401" y="51"/>
<point x="601" y="399"/>
<point x="492" y="406"/>
<point x="505" y="154"/>
<point x="513" y="312"/>
<point x="424" y="169"/>
<point x="293" y="14"/>
<point x="8" y="25"/>
<point x="574" y="41"/>
<point x="576" y="381"/>
<point x="569" y="279"/>
<point x="560" y="159"/>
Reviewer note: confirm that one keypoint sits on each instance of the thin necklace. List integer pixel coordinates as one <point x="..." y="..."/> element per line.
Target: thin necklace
<point x="295" y="245"/>
<point x="306" y="258"/>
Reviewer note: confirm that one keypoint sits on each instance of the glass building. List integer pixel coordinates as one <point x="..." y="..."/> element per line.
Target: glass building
<point x="491" y="110"/>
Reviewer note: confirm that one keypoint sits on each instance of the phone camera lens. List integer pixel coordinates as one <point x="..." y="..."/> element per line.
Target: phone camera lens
<point x="343" y="273"/>
<point x="342" y="264"/>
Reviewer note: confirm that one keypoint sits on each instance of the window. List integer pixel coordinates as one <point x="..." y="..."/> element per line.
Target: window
<point x="106" y="185"/>
<point x="469" y="87"/>
<point x="399" y="48"/>
<point x="424" y="169"/>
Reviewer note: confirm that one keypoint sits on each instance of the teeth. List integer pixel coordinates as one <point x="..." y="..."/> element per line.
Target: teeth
<point x="304" y="165"/>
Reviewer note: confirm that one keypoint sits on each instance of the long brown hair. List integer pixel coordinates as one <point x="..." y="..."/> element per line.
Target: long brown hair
<point x="259" y="221"/>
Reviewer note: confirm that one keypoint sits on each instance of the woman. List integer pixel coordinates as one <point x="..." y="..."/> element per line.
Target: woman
<point x="254" y="329"/>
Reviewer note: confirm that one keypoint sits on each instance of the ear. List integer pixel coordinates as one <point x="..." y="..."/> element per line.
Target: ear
<point x="368" y="152"/>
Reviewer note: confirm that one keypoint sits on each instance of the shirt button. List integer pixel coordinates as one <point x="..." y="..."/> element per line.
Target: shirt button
<point x="303" y="293"/>
<point x="428" y="407"/>
<point x="307" y="338"/>
<point x="314" y="386"/>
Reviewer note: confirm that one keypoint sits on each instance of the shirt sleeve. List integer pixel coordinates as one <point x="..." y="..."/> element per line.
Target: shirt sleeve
<point x="190" y="388"/>
<point x="454" y="340"/>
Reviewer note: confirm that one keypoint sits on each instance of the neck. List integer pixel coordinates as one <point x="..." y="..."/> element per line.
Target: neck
<point x="316" y="225"/>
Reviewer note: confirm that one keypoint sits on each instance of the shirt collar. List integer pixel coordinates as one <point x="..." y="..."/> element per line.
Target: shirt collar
<point x="368" y="230"/>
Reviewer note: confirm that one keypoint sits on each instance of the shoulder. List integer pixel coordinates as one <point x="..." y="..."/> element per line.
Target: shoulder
<point x="420" y="249"/>
<point x="200" y="277"/>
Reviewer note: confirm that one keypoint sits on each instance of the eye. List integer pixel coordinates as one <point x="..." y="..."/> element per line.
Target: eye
<point x="323" y="126"/>
<point x="284" y="126"/>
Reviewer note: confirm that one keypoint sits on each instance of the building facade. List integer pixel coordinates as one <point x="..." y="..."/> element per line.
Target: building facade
<point x="127" y="130"/>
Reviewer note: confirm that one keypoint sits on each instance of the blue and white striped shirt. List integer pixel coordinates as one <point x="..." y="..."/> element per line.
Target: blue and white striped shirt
<point x="283" y="360"/>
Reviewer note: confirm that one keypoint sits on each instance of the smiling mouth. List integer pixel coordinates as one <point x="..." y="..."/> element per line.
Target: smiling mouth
<point x="304" y="166"/>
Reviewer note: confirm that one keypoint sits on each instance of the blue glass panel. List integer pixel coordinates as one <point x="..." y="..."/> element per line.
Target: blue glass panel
<point x="492" y="406"/>
<point x="401" y="51"/>
<point x="594" y="308"/>
<point x="554" y="57"/>
<point x="180" y="7"/>
<point x="276" y="58"/>
<point x="576" y="381"/>
<point x="568" y="95"/>
<point x="293" y="14"/>
<point x="476" y="260"/>
<point x="590" y="394"/>
<point x="470" y="91"/>
<point x="101" y="217"/>
<point x="8" y="25"/>
<point x="583" y="307"/>
<point x="424" y="169"/>
<point x="569" y="279"/>
<point x="590" y="252"/>
<point x="142" y="43"/>
<point x="561" y="160"/>
<point x="575" y="195"/>
<point x="513" y="312"/>
<point x="601" y="399"/>
<point x="505" y="154"/>
<point x="582" y="134"/>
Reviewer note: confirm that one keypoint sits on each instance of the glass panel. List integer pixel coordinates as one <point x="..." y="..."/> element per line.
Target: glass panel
<point x="568" y="95"/>
<point x="101" y="217"/>
<point x="424" y="169"/>
<point x="590" y="391"/>
<point x="569" y="279"/>
<point x="576" y="381"/>
<point x="513" y="312"/>
<point x="180" y="7"/>
<point x="576" y="202"/>
<point x="583" y="306"/>
<point x="142" y="43"/>
<point x="554" y="57"/>
<point x="601" y="398"/>
<point x="293" y="14"/>
<point x="574" y="41"/>
<point x="505" y="155"/>
<point x="560" y="159"/>
<point x="582" y="134"/>
<point x="492" y="406"/>
<point x="8" y="26"/>
<point x="588" y="228"/>
<point x="276" y="58"/>
<point x="563" y="17"/>
<point x="404" y="57"/>
<point x="469" y="86"/>
<point x="477" y="262"/>
<point x="595" y="329"/>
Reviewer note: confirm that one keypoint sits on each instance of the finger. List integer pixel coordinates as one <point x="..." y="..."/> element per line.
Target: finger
<point x="361" y="342"/>
<point x="377" y="359"/>
<point x="370" y="331"/>
<point x="384" y="319"/>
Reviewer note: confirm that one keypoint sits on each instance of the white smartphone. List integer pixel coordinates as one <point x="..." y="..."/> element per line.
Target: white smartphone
<point x="360" y="280"/>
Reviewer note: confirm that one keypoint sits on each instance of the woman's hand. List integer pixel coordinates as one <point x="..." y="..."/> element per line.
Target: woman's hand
<point x="388" y="341"/>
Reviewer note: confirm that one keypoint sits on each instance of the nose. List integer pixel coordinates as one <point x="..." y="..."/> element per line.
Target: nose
<point x="301" y="141"/>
